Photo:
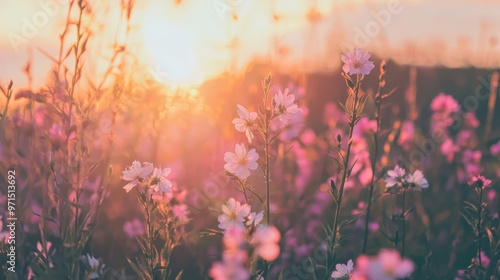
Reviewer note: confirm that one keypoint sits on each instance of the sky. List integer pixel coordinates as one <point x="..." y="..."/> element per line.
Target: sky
<point x="191" y="41"/>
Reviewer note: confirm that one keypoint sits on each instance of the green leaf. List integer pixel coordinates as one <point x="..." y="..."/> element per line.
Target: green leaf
<point x="470" y="221"/>
<point x="340" y="165"/>
<point x="349" y="220"/>
<point x="470" y="206"/>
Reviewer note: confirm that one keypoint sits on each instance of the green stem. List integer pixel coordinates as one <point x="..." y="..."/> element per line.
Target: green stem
<point x="352" y="124"/>
<point x="404" y="224"/>
<point x="479" y="235"/>
<point x="150" y="237"/>
<point x="267" y="120"/>
<point x="268" y="182"/>
<point x="373" y="166"/>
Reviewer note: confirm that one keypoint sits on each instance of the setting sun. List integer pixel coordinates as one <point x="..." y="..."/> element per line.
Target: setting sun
<point x="171" y="53"/>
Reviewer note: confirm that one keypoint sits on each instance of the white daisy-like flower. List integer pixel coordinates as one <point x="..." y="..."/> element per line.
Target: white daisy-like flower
<point x="136" y="172"/>
<point x="160" y="183"/>
<point x="343" y="271"/>
<point x="245" y="122"/>
<point x="395" y="178"/>
<point x="284" y="106"/>
<point x="255" y="218"/>
<point x="234" y="214"/>
<point x="241" y="162"/>
<point x="417" y="180"/>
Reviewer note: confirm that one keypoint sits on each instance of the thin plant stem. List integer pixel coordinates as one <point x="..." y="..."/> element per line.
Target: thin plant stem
<point x="268" y="181"/>
<point x="267" y="120"/>
<point x="479" y="235"/>
<point x="352" y="124"/>
<point x="150" y="235"/>
<point x="378" y="100"/>
<point x="404" y="224"/>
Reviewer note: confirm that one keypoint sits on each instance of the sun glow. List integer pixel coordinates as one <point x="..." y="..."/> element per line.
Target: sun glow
<point x="171" y="54"/>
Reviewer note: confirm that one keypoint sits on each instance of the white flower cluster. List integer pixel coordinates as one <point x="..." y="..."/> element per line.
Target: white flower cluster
<point x="242" y="230"/>
<point x="397" y="179"/>
<point x="243" y="161"/>
<point x="153" y="179"/>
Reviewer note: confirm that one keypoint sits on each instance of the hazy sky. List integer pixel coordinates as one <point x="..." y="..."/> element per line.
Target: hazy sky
<point x="198" y="39"/>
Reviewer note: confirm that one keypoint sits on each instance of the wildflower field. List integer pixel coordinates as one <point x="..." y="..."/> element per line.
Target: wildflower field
<point x="249" y="139"/>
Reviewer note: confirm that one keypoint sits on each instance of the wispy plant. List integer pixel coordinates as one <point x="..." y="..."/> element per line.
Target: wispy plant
<point x="356" y="64"/>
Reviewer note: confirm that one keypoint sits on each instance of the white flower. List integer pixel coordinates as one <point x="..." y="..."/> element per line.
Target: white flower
<point x="417" y="180"/>
<point x="343" y="271"/>
<point x="233" y="214"/>
<point x="135" y="173"/>
<point x="284" y="106"/>
<point x="395" y="177"/>
<point x="241" y="162"/>
<point x="255" y="219"/>
<point x="245" y="121"/>
<point x="159" y="182"/>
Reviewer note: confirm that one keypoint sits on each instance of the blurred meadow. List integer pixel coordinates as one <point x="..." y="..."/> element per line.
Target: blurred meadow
<point x="249" y="139"/>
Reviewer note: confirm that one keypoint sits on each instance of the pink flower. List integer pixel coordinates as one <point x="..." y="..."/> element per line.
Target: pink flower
<point x="395" y="177"/>
<point x="245" y="122"/>
<point x="285" y="107"/>
<point x="471" y="120"/>
<point x="241" y="162"/>
<point x="357" y="62"/>
<point x="365" y="126"/>
<point x="57" y="136"/>
<point x="3" y="234"/>
<point x="266" y="240"/>
<point x="234" y="237"/>
<point x="233" y="258"/>
<point x="133" y="228"/>
<point x="465" y="138"/>
<point x="387" y="265"/>
<point x="407" y="134"/>
<point x="228" y="271"/>
<point x="448" y="149"/>
<point x="479" y="181"/>
<point x="135" y="173"/>
<point x="495" y="149"/>
<point x="444" y="103"/>
<point x="485" y="261"/>
<point x="181" y="212"/>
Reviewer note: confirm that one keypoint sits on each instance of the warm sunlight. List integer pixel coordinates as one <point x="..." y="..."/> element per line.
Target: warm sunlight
<point x="170" y="52"/>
